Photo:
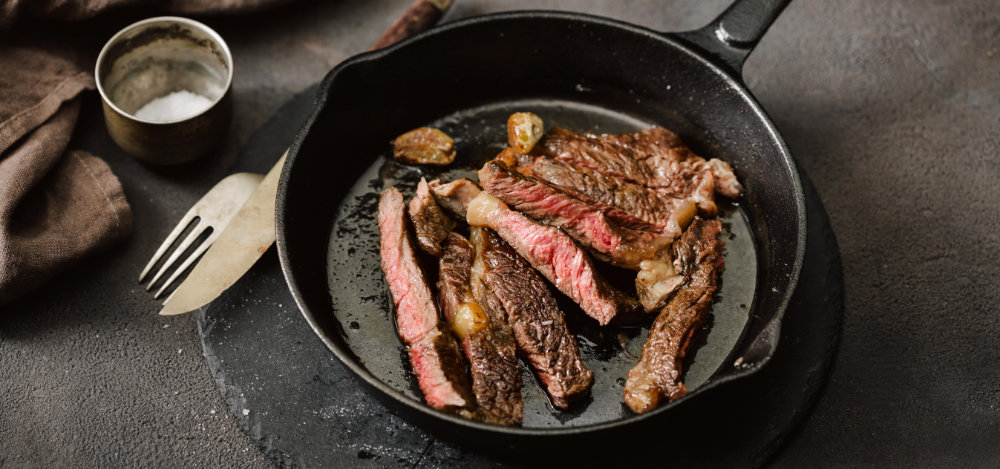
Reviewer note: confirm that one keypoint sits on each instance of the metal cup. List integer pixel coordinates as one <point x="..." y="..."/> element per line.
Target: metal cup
<point x="151" y="59"/>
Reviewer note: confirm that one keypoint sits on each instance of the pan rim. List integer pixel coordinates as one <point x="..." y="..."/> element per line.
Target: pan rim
<point x="712" y="65"/>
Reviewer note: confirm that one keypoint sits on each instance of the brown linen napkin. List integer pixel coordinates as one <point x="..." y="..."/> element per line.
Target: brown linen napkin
<point x="55" y="206"/>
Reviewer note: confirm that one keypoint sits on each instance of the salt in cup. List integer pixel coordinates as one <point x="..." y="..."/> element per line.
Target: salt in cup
<point x="165" y="87"/>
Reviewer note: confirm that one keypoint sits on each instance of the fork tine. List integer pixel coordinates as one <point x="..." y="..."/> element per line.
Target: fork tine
<point x="181" y="225"/>
<point x="187" y="262"/>
<point x="207" y="217"/>
<point x="191" y="237"/>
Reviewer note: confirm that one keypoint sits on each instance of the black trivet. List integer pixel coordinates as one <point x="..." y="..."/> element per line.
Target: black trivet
<point x="303" y="408"/>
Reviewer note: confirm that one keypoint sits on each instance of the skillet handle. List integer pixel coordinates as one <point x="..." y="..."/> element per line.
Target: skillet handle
<point x="733" y="34"/>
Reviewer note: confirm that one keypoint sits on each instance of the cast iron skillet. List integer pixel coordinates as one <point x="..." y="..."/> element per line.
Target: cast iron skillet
<point x="577" y="71"/>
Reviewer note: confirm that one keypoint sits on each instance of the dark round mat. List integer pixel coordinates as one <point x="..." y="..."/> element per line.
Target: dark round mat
<point x="303" y="408"/>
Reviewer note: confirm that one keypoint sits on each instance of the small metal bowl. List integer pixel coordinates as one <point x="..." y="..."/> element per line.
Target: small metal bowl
<point x="151" y="59"/>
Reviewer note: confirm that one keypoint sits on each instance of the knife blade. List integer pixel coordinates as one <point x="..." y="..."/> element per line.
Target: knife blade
<point x="247" y="237"/>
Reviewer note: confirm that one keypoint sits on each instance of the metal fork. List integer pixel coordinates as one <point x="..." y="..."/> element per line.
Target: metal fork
<point x="214" y="211"/>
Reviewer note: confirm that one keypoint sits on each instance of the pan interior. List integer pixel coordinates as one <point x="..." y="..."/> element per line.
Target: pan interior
<point x="363" y="306"/>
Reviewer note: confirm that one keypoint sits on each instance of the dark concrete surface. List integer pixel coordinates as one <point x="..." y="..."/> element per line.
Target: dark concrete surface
<point x="892" y="108"/>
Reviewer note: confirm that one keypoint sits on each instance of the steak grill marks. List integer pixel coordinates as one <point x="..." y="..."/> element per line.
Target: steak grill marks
<point x="434" y="356"/>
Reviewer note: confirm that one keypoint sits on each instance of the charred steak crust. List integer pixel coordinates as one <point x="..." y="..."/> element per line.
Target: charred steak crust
<point x="632" y="157"/>
<point x="641" y="157"/>
<point x="539" y="325"/>
<point x="589" y="226"/>
<point x="628" y="203"/>
<point x="430" y="223"/>
<point x="434" y="356"/>
<point x="655" y="158"/>
<point x="496" y="376"/>
<point x="658" y="374"/>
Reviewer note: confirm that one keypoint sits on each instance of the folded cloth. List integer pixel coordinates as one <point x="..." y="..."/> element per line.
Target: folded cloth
<point x="55" y="206"/>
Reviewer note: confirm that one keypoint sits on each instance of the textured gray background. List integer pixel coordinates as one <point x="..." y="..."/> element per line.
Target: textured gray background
<point x="892" y="108"/>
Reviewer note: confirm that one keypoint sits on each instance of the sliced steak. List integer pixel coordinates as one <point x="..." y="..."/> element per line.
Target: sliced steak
<point x="442" y="373"/>
<point x="623" y="246"/>
<point x="487" y="341"/>
<point x="698" y="257"/>
<point x="431" y="224"/>
<point x="538" y="324"/>
<point x="654" y="158"/>
<point x="634" y="157"/>
<point x="435" y="356"/>
<point x="626" y="202"/>
<point x="556" y="256"/>
<point x="455" y="195"/>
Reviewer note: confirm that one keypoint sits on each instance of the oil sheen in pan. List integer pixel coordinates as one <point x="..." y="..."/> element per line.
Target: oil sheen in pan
<point x="363" y="303"/>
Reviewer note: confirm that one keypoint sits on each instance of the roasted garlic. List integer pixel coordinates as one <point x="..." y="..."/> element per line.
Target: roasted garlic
<point x="424" y="146"/>
<point x="524" y="129"/>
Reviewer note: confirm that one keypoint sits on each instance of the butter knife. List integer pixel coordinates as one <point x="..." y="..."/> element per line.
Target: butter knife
<point x="247" y="237"/>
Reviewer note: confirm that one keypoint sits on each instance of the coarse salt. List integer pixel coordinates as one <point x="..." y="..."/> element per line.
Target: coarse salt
<point x="174" y="106"/>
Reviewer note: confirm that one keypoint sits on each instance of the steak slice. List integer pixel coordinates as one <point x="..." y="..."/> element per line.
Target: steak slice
<point x="626" y="202"/>
<point x="431" y="224"/>
<point x="455" y="195"/>
<point x="486" y="340"/>
<point x="539" y="325"/>
<point x="633" y="157"/>
<point x="556" y="256"/>
<point x="442" y="373"/>
<point x="654" y="158"/>
<point x="624" y="247"/>
<point x="434" y="356"/>
<point x="698" y="255"/>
